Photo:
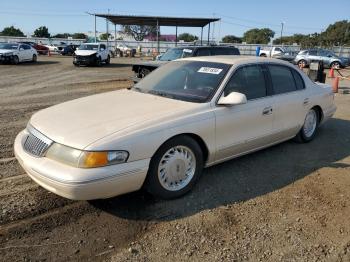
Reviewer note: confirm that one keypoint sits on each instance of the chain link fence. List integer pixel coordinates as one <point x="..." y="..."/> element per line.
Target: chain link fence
<point x="150" y="46"/>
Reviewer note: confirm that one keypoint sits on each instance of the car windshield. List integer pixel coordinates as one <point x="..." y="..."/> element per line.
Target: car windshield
<point x="191" y="81"/>
<point x="88" y="47"/>
<point x="176" y="53"/>
<point x="8" y="46"/>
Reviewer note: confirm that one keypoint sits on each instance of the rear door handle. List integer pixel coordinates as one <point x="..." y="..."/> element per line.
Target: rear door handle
<point x="267" y="111"/>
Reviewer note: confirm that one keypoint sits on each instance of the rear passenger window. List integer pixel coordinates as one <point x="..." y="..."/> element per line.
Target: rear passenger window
<point x="282" y="79"/>
<point x="203" y="52"/>
<point x="298" y="80"/>
<point x="248" y="80"/>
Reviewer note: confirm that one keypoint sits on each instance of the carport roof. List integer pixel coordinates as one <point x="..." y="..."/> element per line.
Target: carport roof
<point x="162" y="20"/>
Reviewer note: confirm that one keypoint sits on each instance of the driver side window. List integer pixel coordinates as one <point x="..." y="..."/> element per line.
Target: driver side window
<point x="248" y="80"/>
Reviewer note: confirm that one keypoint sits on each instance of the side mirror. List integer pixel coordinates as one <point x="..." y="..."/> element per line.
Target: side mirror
<point x="233" y="99"/>
<point x="21" y="49"/>
<point x="102" y="49"/>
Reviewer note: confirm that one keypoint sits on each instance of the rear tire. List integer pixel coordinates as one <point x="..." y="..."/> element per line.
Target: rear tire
<point x="308" y="131"/>
<point x="175" y="168"/>
<point x="263" y="55"/>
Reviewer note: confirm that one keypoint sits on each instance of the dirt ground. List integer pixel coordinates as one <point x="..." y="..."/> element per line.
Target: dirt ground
<point x="286" y="203"/>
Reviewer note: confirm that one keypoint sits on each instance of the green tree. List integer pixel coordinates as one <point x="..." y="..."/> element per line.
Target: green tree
<point x="79" y="36"/>
<point x="258" y="36"/>
<point x="11" y="31"/>
<point x="138" y="32"/>
<point x="336" y="34"/>
<point x="187" y="37"/>
<point x="104" y="36"/>
<point x="63" y="35"/>
<point x="231" y="39"/>
<point x="42" y="31"/>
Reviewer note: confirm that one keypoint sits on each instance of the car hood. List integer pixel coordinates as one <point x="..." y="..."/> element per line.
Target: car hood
<point x="85" y="52"/>
<point x="156" y="63"/>
<point x="4" y="51"/>
<point x="79" y="123"/>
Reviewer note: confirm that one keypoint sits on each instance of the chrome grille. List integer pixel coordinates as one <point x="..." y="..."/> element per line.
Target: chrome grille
<point x="36" y="143"/>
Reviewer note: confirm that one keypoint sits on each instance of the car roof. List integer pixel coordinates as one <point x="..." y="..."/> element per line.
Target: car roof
<point x="236" y="59"/>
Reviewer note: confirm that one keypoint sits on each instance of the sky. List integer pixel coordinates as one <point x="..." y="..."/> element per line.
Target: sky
<point x="67" y="16"/>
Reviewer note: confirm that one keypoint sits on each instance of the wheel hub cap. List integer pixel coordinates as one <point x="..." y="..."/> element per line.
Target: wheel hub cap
<point x="310" y="123"/>
<point x="176" y="168"/>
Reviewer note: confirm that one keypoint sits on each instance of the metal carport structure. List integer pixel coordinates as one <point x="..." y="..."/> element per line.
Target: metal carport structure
<point x="159" y="21"/>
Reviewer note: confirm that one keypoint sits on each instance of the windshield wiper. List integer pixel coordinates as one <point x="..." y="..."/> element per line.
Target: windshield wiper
<point x="137" y="89"/>
<point x="160" y="93"/>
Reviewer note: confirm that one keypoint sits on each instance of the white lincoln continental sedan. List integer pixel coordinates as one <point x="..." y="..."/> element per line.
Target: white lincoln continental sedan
<point x="186" y="115"/>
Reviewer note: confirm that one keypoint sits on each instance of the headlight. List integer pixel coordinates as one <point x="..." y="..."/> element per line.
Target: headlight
<point x="85" y="159"/>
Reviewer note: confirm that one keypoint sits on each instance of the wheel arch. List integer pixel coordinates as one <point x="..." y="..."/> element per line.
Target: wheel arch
<point x="195" y="137"/>
<point x="319" y="112"/>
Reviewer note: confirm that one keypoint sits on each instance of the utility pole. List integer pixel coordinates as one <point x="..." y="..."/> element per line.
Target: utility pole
<point x="282" y="32"/>
<point x="95" y="30"/>
<point x="107" y="29"/>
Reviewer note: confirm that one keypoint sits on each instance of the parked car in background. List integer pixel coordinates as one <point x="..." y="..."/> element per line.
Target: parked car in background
<point x="91" y="54"/>
<point x="144" y="68"/>
<point x="272" y="52"/>
<point x="329" y="58"/>
<point x="279" y="53"/>
<point x="124" y="50"/>
<point x="16" y="53"/>
<point x="189" y="114"/>
<point x="52" y="47"/>
<point x="69" y="49"/>
<point x="41" y="49"/>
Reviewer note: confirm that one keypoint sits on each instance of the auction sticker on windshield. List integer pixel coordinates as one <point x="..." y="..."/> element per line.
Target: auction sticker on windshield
<point x="210" y="70"/>
<point x="187" y="51"/>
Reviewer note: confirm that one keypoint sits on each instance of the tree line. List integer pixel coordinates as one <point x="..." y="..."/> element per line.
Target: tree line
<point x="42" y="31"/>
<point x="336" y="34"/>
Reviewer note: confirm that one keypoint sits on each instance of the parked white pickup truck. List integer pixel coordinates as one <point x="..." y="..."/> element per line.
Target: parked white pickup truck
<point x="274" y="51"/>
<point x="91" y="54"/>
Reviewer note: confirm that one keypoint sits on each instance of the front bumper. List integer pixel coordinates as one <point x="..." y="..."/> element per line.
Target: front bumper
<point x="84" y="60"/>
<point x="6" y="59"/>
<point x="78" y="183"/>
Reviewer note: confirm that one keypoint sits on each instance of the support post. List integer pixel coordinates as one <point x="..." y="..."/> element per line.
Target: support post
<point x="282" y="32"/>
<point x="107" y="32"/>
<point x="158" y="45"/>
<point x="176" y="37"/>
<point x="95" y="30"/>
<point x="115" y="37"/>
<point x="202" y="36"/>
<point x="209" y="34"/>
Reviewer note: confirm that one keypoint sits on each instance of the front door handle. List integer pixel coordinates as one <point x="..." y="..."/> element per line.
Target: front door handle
<point x="267" y="111"/>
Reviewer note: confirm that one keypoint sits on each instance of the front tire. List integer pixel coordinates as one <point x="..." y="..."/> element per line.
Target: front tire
<point x="302" y="63"/>
<point x="335" y="65"/>
<point x="308" y="131"/>
<point x="175" y="168"/>
<point x="98" y="61"/>
<point x="35" y="58"/>
<point x="108" y="60"/>
<point x="15" y="60"/>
